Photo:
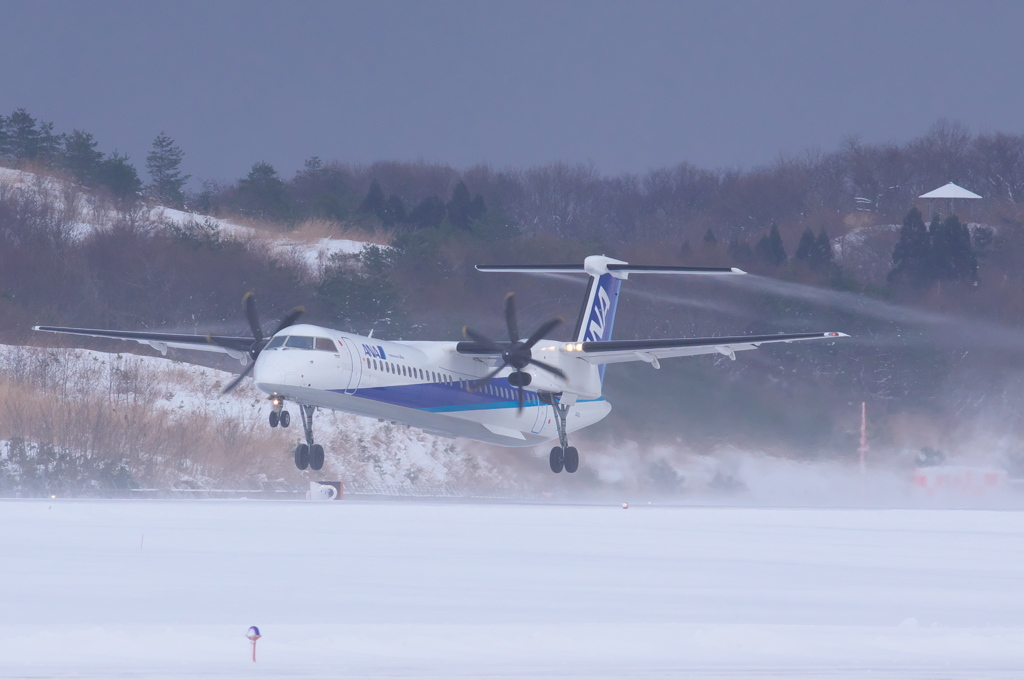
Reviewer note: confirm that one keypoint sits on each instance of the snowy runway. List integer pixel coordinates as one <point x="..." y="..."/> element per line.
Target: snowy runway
<point x="154" y="589"/>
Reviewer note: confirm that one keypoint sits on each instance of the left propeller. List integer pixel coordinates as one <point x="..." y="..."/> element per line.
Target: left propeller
<point x="259" y="341"/>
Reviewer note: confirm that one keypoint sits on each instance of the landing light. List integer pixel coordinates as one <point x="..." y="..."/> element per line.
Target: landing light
<point x="574" y="347"/>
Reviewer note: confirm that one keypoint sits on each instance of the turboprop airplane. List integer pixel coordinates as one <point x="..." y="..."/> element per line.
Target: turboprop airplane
<point x="523" y="392"/>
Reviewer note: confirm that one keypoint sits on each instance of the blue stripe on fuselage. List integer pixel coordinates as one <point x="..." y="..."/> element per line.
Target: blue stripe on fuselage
<point x="443" y="398"/>
<point x="440" y="397"/>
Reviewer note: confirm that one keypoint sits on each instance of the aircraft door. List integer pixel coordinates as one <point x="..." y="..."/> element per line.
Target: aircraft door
<point x="356" y="372"/>
<point x="538" y="423"/>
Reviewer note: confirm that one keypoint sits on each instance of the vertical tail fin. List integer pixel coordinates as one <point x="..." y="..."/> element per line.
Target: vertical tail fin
<point x="597" y="316"/>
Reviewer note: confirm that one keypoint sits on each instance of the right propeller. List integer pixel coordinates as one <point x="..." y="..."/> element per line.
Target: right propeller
<point x="517" y="353"/>
<point x="259" y="341"/>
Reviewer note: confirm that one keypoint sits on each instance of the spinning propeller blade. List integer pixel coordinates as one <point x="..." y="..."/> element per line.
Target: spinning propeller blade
<point x="516" y="354"/>
<point x="259" y="341"/>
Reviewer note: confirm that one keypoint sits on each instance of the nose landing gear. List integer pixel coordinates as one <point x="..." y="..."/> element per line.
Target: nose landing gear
<point x="278" y="416"/>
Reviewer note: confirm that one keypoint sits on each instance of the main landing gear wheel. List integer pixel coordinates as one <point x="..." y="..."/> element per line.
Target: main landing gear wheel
<point x="316" y="457"/>
<point x="562" y="457"/>
<point x="275" y="418"/>
<point x="571" y="459"/>
<point x="302" y="456"/>
<point x="557" y="459"/>
<point x="309" y="454"/>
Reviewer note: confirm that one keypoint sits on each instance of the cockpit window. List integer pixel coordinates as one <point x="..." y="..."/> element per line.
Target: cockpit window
<point x="299" y="342"/>
<point x="276" y="342"/>
<point x="326" y="345"/>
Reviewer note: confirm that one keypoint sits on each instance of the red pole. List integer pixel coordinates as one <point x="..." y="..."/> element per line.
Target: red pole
<point x="253" y="635"/>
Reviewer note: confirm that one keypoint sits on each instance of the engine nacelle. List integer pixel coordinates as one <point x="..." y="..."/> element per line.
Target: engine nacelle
<point x="541" y="381"/>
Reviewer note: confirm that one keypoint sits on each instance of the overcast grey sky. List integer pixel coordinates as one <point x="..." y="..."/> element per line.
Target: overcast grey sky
<point x="626" y="85"/>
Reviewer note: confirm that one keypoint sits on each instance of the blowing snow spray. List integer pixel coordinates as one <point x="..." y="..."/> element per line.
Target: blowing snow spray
<point x="253" y="635"/>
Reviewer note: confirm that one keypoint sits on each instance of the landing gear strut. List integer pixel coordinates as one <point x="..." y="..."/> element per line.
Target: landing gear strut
<point x="308" y="454"/>
<point x="562" y="457"/>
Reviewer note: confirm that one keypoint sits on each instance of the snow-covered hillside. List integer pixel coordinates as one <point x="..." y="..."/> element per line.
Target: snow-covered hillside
<point x="312" y="248"/>
<point x="166" y="423"/>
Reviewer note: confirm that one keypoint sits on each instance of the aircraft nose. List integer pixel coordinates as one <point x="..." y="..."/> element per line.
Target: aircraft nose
<point x="268" y="370"/>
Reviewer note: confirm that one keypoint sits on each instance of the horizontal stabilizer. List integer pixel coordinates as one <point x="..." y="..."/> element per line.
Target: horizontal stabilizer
<point x="620" y="269"/>
<point x="617" y="351"/>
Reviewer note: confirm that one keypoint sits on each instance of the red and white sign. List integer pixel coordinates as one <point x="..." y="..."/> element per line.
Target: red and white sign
<point x="958" y="481"/>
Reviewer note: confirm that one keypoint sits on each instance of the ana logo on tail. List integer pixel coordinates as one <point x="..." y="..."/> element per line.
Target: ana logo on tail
<point x="599" y="316"/>
<point x="602" y="309"/>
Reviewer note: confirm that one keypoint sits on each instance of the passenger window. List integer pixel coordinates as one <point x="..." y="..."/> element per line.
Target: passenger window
<point x="299" y="342"/>
<point x="326" y="345"/>
<point x="276" y="342"/>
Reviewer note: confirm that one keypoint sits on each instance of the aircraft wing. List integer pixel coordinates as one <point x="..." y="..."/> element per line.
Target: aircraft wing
<point x="235" y="347"/>
<point x="617" y="351"/>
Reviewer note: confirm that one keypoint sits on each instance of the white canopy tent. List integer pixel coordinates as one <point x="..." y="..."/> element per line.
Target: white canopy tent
<point x="951" y="192"/>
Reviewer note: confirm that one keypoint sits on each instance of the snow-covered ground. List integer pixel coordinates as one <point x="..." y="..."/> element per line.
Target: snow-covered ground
<point x="360" y="451"/>
<point x="161" y="589"/>
<point x="314" y="251"/>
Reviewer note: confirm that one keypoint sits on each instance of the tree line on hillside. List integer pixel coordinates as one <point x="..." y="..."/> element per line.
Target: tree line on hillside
<point x="667" y="205"/>
<point x="136" y="272"/>
<point x="25" y="140"/>
<point x="670" y="207"/>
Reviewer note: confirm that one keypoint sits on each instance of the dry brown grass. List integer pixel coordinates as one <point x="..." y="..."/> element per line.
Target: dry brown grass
<point x="98" y="412"/>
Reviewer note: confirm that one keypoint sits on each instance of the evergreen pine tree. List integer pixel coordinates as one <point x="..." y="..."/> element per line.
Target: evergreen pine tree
<point x="430" y="212"/>
<point x="952" y="253"/>
<point x="23" y="137"/>
<point x="119" y="176"/>
<point x="4" y="138"/>
<point x="320" y="190"/>
<point x="912" y="255"/>
<point x="48" y="145"/>
<point x="770" y="247"/>
<point x="163" y="163"/>
<point x="710" y="240"/>
<point x="459" y="205"/>
<point x="941" y="265"/>
<point x="263" y="193"/>
<point x="821" y="253"/>
<point x="463" y="210"/>
<point x="81" y="158"/>
<point x="374" y="201"/>
<point x="805" y="249"/>
<point x="358" y="291"/>
<point x="394" y="211"/>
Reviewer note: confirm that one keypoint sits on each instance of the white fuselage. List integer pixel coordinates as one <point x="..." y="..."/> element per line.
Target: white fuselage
<point x="427" y="385"/>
